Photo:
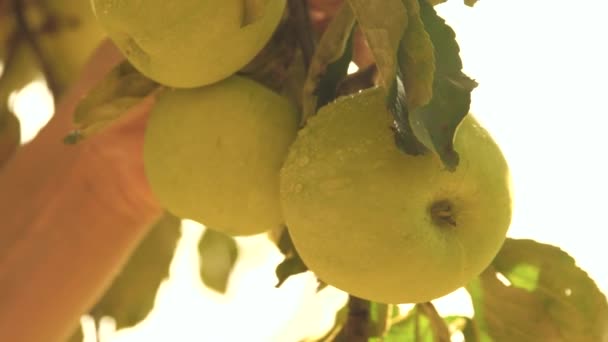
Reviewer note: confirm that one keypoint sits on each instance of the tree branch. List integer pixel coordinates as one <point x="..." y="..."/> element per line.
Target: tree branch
<point x="356" y="328"/>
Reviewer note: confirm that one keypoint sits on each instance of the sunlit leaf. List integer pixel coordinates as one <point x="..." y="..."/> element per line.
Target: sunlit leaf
<point x="422" y="323"/>
<point x="416" y="59"/>
<point x="415" y="327"/>
<point x="218" y="253"/>
<point x="330" y="49"/>
<point x="546" y="297"/>
<point x="132" y="294"/>
<point x="383" y="26"/>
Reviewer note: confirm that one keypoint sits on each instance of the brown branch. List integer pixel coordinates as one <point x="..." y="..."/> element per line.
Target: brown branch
<point x="356" y="328"/>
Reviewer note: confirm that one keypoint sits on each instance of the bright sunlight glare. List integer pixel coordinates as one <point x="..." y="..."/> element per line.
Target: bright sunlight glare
<point x="33" y="105"/>
<point x="540" y="95"/>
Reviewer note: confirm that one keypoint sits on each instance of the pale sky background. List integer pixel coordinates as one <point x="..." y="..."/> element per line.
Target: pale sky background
<point x="543" y="74"/>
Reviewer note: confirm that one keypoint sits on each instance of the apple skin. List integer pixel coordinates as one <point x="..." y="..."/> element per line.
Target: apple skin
<point x="213" y="154"/>
<point x="187" y="43"/>
<point x="359" y="210"/>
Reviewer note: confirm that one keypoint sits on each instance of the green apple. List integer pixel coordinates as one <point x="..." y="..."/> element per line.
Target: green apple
<point x="189" y="43"/>
<point x="213" y="154"/>
<point x="386" y="226"/>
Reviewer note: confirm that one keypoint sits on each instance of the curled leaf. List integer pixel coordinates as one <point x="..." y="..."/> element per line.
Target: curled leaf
<point x="383" y="26"/>
<point x="330" y="49"/>
<point x="535" y="292"/>
<point x="435" y="123"/>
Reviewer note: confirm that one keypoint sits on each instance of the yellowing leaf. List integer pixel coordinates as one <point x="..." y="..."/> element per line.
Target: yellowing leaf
<point x="330" y="49"/>
<point x="383" y="26"/>
<point x="535" y="292"/>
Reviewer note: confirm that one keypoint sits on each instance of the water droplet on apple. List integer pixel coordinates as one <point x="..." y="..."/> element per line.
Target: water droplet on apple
<point x="298" y="188"/>
<point x="303" y="161"/>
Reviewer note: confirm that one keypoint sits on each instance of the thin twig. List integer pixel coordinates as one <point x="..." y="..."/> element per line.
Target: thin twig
<point x="30" y="37"/>
<point x="298" y="11"/>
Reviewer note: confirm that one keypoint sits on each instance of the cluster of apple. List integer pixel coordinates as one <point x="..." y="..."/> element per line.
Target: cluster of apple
<point x="227" y="152"/>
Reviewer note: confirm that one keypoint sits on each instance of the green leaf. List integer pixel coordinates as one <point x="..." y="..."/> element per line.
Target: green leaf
<point x="546" y="298"/>
<point x="413" y="86"/>
<point x="120" y="89"/>
<point x="414" y="327"/>
<point x="131" y="296"/>
<point x="218" y="253"/>
<point x="422" y="323"/>
<point x="435" y="123"/>
<point x="405" y="139"/>
<point x="330" y="49"/>
<point x="383" y="26"/>
<point x="470" y="3"/>
<point x="379" y="314"/>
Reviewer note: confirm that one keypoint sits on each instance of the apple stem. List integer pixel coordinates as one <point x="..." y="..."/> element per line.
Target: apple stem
<point x="442" y="213"/>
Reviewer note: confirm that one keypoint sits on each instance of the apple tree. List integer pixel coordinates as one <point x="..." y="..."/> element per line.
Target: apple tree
<point x="243" y="116"/>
